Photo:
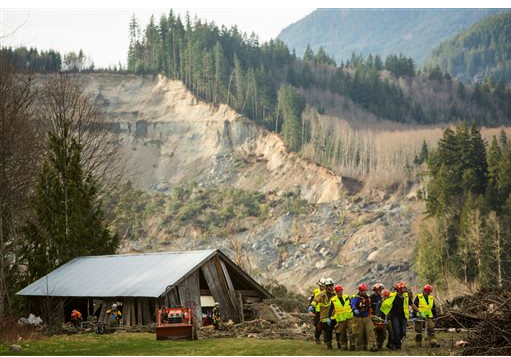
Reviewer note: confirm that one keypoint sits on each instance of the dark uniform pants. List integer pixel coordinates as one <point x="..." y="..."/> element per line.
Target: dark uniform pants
<point x="327" y="336"/>
<point x="399" y="329"/>
<point x="390" y="332"/>
<point x="317" y="326"/>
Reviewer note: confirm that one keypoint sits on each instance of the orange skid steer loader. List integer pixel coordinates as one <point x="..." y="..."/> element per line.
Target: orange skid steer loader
<point x="175" y="323"/>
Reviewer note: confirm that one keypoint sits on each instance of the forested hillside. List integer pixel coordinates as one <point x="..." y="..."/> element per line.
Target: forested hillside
<point x="483" y="50"/>
<point x="413" y="32"/>
<point x="468" y="199"/>
<point x="222" y="65"/>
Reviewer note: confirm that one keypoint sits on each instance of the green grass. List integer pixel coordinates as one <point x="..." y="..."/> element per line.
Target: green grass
<point x="146" y="344"/>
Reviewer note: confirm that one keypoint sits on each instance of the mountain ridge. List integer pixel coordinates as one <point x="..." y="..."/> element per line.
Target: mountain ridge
<point x="413" y="32"/>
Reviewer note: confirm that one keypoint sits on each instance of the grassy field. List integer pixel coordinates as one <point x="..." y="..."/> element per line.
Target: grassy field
<point x="146" y="344"/>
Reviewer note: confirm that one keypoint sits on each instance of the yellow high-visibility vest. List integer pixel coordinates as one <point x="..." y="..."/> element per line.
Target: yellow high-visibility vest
<point x="316" y="292"/>
<point x="425" y="307"/>
<point x="342" y="312"/>
<point x="386" y="305"/>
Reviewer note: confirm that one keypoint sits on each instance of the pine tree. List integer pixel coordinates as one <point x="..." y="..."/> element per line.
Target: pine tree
<point x="67" y="219"/>
<point x="308" y="55"/>
<point x="239" y="83"/>
<point x="218" y="90"/>
<point x="494" y="158"/>
<point x="291" y="105"/>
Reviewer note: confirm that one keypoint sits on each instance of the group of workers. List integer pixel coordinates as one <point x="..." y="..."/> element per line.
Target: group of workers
<point x="114" y="317"/>
<point x="363" y="322"/>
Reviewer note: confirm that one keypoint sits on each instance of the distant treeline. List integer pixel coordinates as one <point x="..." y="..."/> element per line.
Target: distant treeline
<point x="224" y="65"/>
<point x="33" y="60"/>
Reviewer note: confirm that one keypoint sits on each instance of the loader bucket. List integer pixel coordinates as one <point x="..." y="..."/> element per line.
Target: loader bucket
<point x="175" y="332"/>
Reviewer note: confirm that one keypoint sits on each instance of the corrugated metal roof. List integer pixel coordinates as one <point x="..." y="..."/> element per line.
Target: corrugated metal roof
<point x="137" y="275"/>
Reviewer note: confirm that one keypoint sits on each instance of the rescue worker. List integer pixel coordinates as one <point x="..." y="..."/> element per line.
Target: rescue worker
<point x="323" y="300"/>
<point x="76" y="318"/>
<point x="388" y="324"/>
<point x="395" y="308"/>
<point x="361" y="306"/>
<point x="378" y="321"/>
<point x="340" y="311"/>
<point x="164" y="315"/>
<point x="427" y="315"/>
<point x="115" y="315"/>
<point x="216" y="317"/>
<point x="316" y="310"/>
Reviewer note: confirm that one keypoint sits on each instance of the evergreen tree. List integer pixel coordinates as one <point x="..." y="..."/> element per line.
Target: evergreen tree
<point x="308" y="56"/>
<point x="67" y="219"/>
<point x="291" y="105"/>
<point x="494" y="158"/>
<point x="423" y="155"/>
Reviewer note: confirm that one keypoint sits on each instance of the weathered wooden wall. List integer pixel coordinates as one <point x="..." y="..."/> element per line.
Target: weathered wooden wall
<point x="189" y="292"/>
<point x="218" y="282"/>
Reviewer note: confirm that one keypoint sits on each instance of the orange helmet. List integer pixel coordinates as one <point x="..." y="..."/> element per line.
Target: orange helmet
<point x="363" y="287"/>
<point x="386" y="293"/>
<point x="401" y="286"/>
<point x="428" y="288"/>
<point x="338" y="288"/>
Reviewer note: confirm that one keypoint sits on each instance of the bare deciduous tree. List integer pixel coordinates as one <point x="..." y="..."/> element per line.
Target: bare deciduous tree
<point x="61" y="103"/>
<point x="18" y="157"/>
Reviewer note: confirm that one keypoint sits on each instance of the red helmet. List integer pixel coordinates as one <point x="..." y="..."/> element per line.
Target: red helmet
<point x="428" y="288"/>
<point x="338" y="288"/>
<point x="401" y="286"/>
<point x="363" y="287"/>
<point x="386" y="293"/>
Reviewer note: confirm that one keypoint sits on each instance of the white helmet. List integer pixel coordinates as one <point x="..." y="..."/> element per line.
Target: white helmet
<point x="378" y="286"/>
<point x="114" y="306"/>
<point x="321" y="282"/>
<point x="329" y="281"/>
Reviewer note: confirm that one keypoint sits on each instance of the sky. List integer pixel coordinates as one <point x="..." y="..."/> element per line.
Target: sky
<point x="101" y="29"/>
<point x="103" y="33"/>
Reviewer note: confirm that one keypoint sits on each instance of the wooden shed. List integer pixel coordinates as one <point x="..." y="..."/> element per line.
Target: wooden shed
<point x="142" y="283"/>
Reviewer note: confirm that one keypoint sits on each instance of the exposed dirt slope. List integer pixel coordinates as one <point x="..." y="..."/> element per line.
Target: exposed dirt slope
<point x="169" y="137"/>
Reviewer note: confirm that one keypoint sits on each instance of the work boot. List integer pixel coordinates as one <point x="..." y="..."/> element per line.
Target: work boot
<point x="329" y="345"/>
<point x="318" y="341"/>
<point x="338" y="345"/>
<point x="434" y="344"/>
<point x="374" y="348"/>
<point x="353" y="347"/>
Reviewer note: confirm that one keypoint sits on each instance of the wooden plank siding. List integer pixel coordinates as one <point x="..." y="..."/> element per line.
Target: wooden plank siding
<point x="217" y="284"/>
<point x="139" y="310"/>
<point x="189" y="291"/>
<point x="146" y="312"/>
<point x="224" y="275"/>
<point x="232" y="292"/>
<point x="126" y="309"/>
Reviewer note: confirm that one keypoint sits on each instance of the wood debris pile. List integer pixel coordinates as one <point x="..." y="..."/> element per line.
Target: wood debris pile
<point x="492" y="335"/>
